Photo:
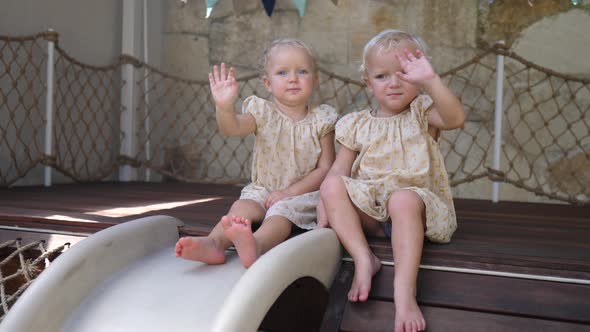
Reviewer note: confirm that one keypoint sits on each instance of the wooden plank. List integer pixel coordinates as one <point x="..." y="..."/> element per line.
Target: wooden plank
<point x="50" y="241"/>
<point x="338" y="299"/>
<point x="378" y="316"/>
<point x="54" y="224"/>
<point x="522" y="209"/>
<point x="530" y="298"/>
<point x="509" y="236"/>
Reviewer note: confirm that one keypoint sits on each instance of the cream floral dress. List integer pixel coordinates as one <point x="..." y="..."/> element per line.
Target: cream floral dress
<point x="398" y="153"/>
<point x="284" y="152"/>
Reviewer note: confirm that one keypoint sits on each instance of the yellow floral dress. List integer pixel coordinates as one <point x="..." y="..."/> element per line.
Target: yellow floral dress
<point x="285" y="151"/>
<point x="398" y="153"/>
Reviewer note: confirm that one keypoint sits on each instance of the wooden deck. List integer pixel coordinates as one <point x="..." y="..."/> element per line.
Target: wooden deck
<point x="510" y="266"/>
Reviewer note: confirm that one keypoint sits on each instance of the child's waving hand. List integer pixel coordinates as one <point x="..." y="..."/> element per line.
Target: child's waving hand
<point x="414" y="69"/>
<point x="223" y="88"/>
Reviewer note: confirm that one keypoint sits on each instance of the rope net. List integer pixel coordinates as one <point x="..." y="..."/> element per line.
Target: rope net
<point x="22" y="91"/>
<point x="546" y="120"/>
<point x="20" y="264"/>
<point x="86" y="133"/>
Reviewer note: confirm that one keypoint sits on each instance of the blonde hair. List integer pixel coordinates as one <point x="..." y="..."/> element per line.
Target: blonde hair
<point x="287" y="42"/>
<point x="387" y="40"/>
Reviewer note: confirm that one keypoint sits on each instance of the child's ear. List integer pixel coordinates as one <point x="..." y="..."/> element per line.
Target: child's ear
<point x="368" y="83"/>
<point x="316" y="80"/>
<point x="266" y="83"/>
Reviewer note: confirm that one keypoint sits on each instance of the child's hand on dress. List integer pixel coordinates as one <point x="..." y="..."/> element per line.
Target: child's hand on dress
<point x="415" y="69"/>
<point x="223" y="88"/>
<point x="322" y="218"/>
<point x="274" y="197"/>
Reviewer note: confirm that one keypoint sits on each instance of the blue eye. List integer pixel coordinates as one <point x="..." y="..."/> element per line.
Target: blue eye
<point x="302" y="72"/>
<point x="282" y="72"/>
<point x="381" y="76"/>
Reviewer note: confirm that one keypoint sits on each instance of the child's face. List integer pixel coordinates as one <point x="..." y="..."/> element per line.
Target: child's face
<point x="289" y="76"/>
<point x="392" y="94"/>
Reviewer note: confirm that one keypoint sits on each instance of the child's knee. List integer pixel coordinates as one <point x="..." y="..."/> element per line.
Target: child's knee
<point x="405" y="202"/>
<point x="330" y="186"/>
<point x="238" y="205"/>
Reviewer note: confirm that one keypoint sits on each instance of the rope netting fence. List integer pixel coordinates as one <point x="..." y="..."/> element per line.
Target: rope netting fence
<point x="545" y="126"/>
<point x="20" y="265"/>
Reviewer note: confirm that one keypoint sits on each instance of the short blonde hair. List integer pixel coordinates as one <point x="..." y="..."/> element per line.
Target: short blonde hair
<point x="292" y="42"/>
<point x="387" y="40"/>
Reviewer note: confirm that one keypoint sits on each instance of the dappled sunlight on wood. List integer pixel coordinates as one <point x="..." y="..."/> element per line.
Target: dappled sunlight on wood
<point x="134" y="210"/>
<point x="67" y="218"/>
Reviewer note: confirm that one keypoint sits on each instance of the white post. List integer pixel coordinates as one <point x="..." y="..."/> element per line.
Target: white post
<point x="128" y="143"/>
<point x="146" y="86"/>
<point x="498" y="122"/>
<point x="49" y="109"/>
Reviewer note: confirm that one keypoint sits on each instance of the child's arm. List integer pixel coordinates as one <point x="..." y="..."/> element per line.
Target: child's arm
<point x="342" y="166"/>
<point x="322" y="217"/>
<point x="225" y="92"/>
<point x="343" y="163"/>
<point x="447" y="112"/>
<point x="310" y="182"/>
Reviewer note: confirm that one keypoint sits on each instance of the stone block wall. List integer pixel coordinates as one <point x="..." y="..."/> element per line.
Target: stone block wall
<point x="552" y="34"/>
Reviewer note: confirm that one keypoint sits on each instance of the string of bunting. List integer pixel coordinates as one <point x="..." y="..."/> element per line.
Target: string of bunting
<point x="268" y="6"/>
<point x="300" y="5"/>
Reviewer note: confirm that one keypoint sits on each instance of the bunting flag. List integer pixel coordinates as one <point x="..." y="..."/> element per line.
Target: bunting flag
<point x="335" y="2"/>
<point x="300" y="5"/>
<point x="210" y="5"/>
<point x="269" y="5"/>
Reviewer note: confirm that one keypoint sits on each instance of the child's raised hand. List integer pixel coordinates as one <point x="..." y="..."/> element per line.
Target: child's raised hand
<point x="223" y="88"/>
<point x="415" y="69"/>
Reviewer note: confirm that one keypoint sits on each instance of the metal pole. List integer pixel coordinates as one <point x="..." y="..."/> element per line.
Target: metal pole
<point x="498" y="122"/>
<point x="145" y="90"/>
<point x="128" y="143"/>
<point x="49" y="109"/>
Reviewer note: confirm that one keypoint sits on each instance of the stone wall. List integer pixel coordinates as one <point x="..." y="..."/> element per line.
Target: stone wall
<point x="455" y="30"/>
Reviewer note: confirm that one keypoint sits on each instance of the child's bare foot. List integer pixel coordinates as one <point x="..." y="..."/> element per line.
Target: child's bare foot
<point x="364" y="270"/>
<point x="200" y="249"/>
<point x="408" y="316"/>
<point x="240" y="234"/>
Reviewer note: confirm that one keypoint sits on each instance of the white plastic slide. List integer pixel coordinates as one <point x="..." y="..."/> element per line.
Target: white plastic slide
<point x="126" y="278"/>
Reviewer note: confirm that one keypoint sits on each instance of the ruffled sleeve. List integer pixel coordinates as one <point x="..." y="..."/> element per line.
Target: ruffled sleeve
<point x="420" y="107"/>
<point x="346" y="131"/>
<point x="327" y="117"/>
<point x="255" y="106"/>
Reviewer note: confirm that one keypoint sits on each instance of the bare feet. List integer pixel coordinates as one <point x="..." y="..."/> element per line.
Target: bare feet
<point x="200" y="249"/>
<point x="364" y="270"/>
<point x="408" y="316"/>
<point x="239" y="232"/>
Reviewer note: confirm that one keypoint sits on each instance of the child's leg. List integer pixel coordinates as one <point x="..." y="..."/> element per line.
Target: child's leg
<point x="210" y="249"/>
<point x="406" y="209"/>
<point x="273" y="231"/>
<point x="349" y="224"/>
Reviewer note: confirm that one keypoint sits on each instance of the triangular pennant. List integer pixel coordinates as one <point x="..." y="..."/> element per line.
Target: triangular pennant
<point x="269" y="5"/>
<point x="335" y="2"/>
<point x="210" y="5"/>
<point x="300" y="5"/>
<point x="240" y="6"/>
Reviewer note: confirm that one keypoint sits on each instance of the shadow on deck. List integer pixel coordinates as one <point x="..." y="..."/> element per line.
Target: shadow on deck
<point x="510" y="266"/>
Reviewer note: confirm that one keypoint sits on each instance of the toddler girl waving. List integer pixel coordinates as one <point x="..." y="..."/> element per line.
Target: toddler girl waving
<point x="389" y="177"/>
<point x="293" y="152"/>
